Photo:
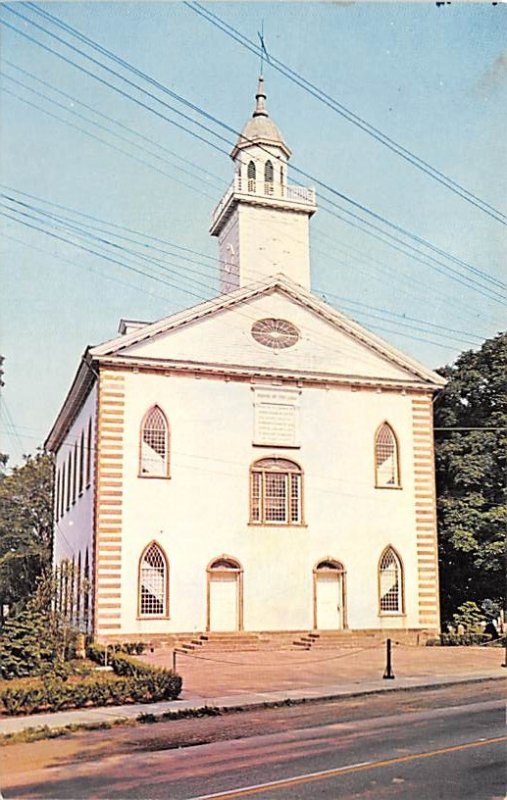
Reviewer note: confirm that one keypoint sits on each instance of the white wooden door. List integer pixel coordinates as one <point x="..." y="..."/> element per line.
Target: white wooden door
<point x="223" y="598"/>
<point x="329" y="601"/>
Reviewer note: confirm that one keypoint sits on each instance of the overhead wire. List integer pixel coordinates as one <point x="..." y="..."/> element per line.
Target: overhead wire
<point x="484" y="276"/>
<point x="370" y="308"/>
<point x="327" y="340"/>
<point x="132" y="131"/>
<point x="172" y="244"/>
<point x="100" y="139"/>
<point x="349" y="115"/>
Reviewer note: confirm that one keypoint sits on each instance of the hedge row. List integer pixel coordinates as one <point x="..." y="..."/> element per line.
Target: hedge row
<point x="133" y="683"/>
<point x="459" y="640"/>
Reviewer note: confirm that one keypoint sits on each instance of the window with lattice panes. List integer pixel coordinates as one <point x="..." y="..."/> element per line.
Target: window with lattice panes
<point x="386" y="458"/>
<point x="153" y="579"/>
<point x="154" y="458"/>
<point x="390" y="583"/>
<point x="276" y="492"/>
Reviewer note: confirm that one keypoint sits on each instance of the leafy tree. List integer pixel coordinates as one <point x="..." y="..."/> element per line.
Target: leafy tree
<point x="470" y="463"/>
<point x="25" y="528"/>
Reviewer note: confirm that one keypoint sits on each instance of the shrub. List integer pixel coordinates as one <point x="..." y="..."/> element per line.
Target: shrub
<point x="459" y="640"/>
<point x="150" y="685"/>
<point x="35" y="642"/>
<point x="133" y="682"/>
<point x="469" y="615"/>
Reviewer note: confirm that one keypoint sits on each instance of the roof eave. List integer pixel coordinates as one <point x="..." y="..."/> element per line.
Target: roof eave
<point x="80" y="387"/>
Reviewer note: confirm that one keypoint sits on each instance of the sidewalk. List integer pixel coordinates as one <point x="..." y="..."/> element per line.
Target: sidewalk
<point x="253" y="679"/>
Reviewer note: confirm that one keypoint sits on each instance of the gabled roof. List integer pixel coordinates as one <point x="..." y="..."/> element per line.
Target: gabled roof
<point x="284" y="285"/>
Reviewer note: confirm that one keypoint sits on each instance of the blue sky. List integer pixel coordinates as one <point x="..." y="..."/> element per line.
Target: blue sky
<point x="431" y="78"/>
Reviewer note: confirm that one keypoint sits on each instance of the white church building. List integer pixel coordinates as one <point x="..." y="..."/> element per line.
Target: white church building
<point x="258" y="462"/>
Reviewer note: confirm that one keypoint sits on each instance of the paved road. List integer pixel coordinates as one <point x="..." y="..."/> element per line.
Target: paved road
<point x="453" y="753"/>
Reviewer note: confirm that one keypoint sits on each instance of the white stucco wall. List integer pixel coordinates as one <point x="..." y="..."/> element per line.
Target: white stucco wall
<point x="73" y="531"/>
<point x="273" y="240"/>
<point x="202" y="511"/>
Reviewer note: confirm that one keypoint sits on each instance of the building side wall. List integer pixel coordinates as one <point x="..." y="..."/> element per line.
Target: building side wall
<point x="201" y="511"/>
<point x="228" y="248"/>
<point x="73" y="530"/>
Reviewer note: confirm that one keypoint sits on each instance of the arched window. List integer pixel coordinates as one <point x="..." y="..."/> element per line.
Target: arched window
<point x="62" y="490"/>
<point x="153" y="583"/>
<point x="268" y="177"/>
<point x="74" y="473"/>
<point x="81" y="464"/>
<point x="154" y="455"/>
<point x="391" y="599"/>
<point x="251" y="176"/>
<point x="69" y="481"/>
<point x="386" y="458"/>
<point x="57" y="495"/>
<point x="89" y="454"/>
<point x="276" y="487"/>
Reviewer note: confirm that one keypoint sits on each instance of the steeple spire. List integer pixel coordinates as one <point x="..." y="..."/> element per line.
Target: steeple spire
<point x="260" y="97"/>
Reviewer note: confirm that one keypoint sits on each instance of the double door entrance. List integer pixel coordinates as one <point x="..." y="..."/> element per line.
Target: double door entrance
<point x="225" y="596"/>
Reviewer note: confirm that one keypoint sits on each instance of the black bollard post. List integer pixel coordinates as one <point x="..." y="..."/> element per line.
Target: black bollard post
<point x="388" y="673"/>
<point x="174" y="660"/>
<point x="505" y="654"/>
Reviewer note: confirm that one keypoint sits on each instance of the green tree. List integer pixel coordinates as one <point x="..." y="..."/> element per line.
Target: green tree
<point x="26" y="528"/>
<point x="470" y="464"/>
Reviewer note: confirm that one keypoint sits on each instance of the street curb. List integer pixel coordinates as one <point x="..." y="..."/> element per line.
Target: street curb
<point x="215" y="709"/>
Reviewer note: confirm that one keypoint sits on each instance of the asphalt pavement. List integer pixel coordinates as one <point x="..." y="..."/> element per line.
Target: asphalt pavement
<point x="450" y="753"/>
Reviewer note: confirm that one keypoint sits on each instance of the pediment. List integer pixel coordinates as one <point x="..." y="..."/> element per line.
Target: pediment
<point x="220" y="333"/>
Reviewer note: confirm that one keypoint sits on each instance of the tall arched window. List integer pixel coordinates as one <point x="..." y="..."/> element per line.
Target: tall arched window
<point x="153" y="583"/>
<point x="89" y="454"/>
<point x="74" y="473"/>
<point x="154" y="455"/>
<point x="387" y="473"/>
<point x="62" y="490"/>
<point x="69" y="481"/>
<point x="391" y="599"/>
<point x="251" y="176"/>
<point x="81" y="464"/>
<point x="276" y="487"/>
<point x="268" y="177"/>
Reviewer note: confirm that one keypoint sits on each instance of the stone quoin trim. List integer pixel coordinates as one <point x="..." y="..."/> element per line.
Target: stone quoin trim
<point x="109" y="502"/>
<point x="425" y="512"/>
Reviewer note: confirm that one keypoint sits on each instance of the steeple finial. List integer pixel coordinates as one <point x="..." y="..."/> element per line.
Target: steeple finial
<point x="260" y="97"/>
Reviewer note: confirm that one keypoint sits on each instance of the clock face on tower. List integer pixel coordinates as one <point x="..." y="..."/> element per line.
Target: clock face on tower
<point x="275" y="333"/>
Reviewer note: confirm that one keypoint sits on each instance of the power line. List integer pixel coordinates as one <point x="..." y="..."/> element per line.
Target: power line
<point x="71" y="222"/>
<point x="485" y="276"/>
<point x="163" y="280"/>
<point x="349" y="115"/>
<point x="133" y="132"/>
<point x="98" y="138"/>
<point x="206" y="286"/>
<point x="104" y="82"/>
<point x="159" y="240"/>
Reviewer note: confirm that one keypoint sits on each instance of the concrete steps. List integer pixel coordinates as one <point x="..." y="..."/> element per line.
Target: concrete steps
<point x="328" y="640"/>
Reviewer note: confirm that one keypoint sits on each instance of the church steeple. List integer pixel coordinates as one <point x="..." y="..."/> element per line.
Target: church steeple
<point x="262" y="221"/>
